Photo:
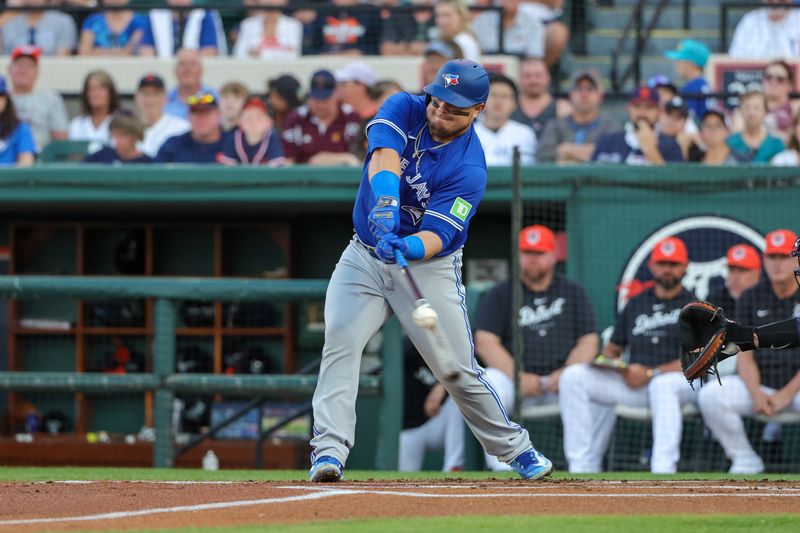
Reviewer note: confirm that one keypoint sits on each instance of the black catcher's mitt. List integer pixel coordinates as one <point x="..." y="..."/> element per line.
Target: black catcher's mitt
<point x="706" y="337"/>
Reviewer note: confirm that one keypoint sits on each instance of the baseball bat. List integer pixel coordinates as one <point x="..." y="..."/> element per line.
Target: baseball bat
<point x="425" y="316"/>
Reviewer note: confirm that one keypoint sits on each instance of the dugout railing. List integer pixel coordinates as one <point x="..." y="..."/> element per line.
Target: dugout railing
<point x="166" y="383"/>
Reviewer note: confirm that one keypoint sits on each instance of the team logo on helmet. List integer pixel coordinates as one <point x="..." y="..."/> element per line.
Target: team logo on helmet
<point x="450" y="79"/>
<point x="739" y="253"/>
<point x="667" y="248"/>
<point x="778" y="239"/>
<point x="533" y="237"/>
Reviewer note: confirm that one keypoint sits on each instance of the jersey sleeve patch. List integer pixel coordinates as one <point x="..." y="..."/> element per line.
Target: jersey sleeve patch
<point x="460" y="209"/>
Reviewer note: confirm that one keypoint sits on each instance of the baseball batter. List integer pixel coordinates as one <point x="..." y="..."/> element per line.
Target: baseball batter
<point x="423" y="178"/>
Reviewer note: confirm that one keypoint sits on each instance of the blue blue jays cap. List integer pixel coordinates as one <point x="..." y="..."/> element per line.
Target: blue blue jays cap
<point x="460" y="83"/>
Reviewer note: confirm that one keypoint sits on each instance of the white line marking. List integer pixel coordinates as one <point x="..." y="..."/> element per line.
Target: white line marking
<point x="178" y="509"/>
<point x="552" y="495"/>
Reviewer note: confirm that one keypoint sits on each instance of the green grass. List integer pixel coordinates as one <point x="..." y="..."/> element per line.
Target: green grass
<point x="176" y="474"/>
<point x="580" y="524"/>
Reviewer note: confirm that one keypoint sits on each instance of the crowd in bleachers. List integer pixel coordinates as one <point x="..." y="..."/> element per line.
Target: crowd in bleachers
<point x="668" y="120"/>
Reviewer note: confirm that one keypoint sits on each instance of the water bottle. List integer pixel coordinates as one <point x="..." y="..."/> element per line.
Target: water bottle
<point x="210" y="461"/>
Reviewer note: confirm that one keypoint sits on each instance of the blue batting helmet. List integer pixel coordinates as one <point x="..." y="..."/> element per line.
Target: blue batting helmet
<point x="460" y="83"/>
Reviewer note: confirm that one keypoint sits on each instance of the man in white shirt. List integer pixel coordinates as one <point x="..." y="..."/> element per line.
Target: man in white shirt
<point x="42" y="109"/>
<point x="497" y="132"/>
<point x="523" y="33"/>
<point x="768" y="33"/>
<point x="150" y="99"/>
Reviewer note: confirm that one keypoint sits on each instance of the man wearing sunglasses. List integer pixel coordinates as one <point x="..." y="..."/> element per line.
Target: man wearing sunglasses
<point x="204" y="142"/>
<point x="424" y="176"/>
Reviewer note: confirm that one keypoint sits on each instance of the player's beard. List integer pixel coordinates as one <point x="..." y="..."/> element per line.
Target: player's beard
<point x="445" y="134"/>
<point x="668" y="282"/>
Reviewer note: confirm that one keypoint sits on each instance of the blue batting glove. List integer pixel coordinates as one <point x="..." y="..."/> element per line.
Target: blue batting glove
<point x="384" y="217"/>
<point x="384" y="249"/>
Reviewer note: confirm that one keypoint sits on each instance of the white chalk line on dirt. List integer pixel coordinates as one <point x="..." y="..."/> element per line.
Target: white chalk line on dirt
<point x="322" y="492"/>
<point x="178" y="509"/>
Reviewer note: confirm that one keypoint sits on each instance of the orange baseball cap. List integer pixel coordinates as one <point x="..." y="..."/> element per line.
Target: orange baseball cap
<point x="34" y="52"/>
<point x="537" y="239"/>
<point x="671" y="250"/>
<point x="780" y="242"/>
<point x="744" y="256"/>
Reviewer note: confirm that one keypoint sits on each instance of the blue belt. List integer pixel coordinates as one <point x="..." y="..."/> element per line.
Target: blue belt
<point x="368" y="248"/>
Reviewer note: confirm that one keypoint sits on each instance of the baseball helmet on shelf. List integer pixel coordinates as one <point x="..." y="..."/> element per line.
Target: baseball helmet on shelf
<point x="460" y="83"/>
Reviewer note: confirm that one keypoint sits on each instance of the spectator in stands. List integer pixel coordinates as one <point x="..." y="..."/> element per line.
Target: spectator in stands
<point x="42" y="109"/>
<point x="551" y="13"/>
<point x="116" y="32"/>
<point x="523" y="33"/>
<point x="754" y="144"/>
<point x="269" y="34"/>
<point x="189" y="72"/>
<point x="232" y="97"/>
<point x="436" y="55"/>
<point x="791" y="156"/>
<point x="572" y="139"/>
<point x="690" y="58"/>
<point x="778" y="83"/>
<point x="171" y="29"/>
<point x="664" y="87"/>
<point x="639" y="143"/>
<point x="127" y="131"/>
<point x="17" y="147"/>
<point x="672" y="121"/>
<point x="768" y="380"/>
<point x="767" y="32"/>
<point x="150" y="98"/>
<point x="452" y="19"/>
<point x="99" y="101"/>
<point x="431" y="419"/>
<point x="354" y="84"/>
<point x="53" y="32"/>
<point x="384" y="89"/>
<point x="255" y="141"/>
<point x="322" y="132"/>
<point x="536" y="105"/>
<point x="557" y="323"/>
<point x="283" y="95"/>
<point x="744" y="272"/>
<point x="497" y="132"/>
<point x="347" y="27"/>
<point x="204" y="142"/>
<point x="407" y="33"/>
<point x="712" y="148"/>
<point x="646" y="328"/>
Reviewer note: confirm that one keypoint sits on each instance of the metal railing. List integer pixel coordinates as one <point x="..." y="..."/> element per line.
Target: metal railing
<point x="642" y="34"/>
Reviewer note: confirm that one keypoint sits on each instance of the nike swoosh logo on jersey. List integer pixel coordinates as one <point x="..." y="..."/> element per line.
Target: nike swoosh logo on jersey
<point x="761" y="313"/>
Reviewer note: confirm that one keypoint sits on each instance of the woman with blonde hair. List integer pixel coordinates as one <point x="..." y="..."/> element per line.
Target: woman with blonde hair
<point x="99" y="101"/>
<point x="453" y="23"/>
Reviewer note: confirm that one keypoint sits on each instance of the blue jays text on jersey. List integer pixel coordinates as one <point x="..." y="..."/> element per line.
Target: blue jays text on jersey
<point x="440" y="185"/>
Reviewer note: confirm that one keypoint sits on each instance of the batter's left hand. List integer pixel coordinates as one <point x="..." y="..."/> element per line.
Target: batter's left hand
<point x="387" y="245"/>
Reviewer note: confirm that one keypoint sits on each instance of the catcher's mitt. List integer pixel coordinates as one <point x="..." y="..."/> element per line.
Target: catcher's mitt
<point x="706" y="337"/>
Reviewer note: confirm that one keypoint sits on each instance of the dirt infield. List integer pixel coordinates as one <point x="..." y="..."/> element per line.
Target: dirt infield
<point x="65" y="506"/>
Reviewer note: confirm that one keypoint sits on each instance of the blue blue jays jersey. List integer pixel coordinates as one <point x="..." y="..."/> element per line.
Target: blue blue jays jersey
<point x="440" y="186"/>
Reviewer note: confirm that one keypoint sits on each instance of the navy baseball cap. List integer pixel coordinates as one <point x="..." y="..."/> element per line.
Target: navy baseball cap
<point x="151" y="80"/>
<point x="677" y="103"/>
<point x="644" y="94"/>
<point x="323" y="83"/>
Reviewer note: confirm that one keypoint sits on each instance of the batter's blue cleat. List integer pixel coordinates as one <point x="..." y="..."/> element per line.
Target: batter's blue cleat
<point x="531" y="464"/>
<point x="326" y="469"/>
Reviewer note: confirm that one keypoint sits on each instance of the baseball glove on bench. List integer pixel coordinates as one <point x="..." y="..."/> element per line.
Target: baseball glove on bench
<point x="707" y="337"/>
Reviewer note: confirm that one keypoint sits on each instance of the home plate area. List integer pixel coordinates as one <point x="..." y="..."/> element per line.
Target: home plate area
<point x="81" y="505"/>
